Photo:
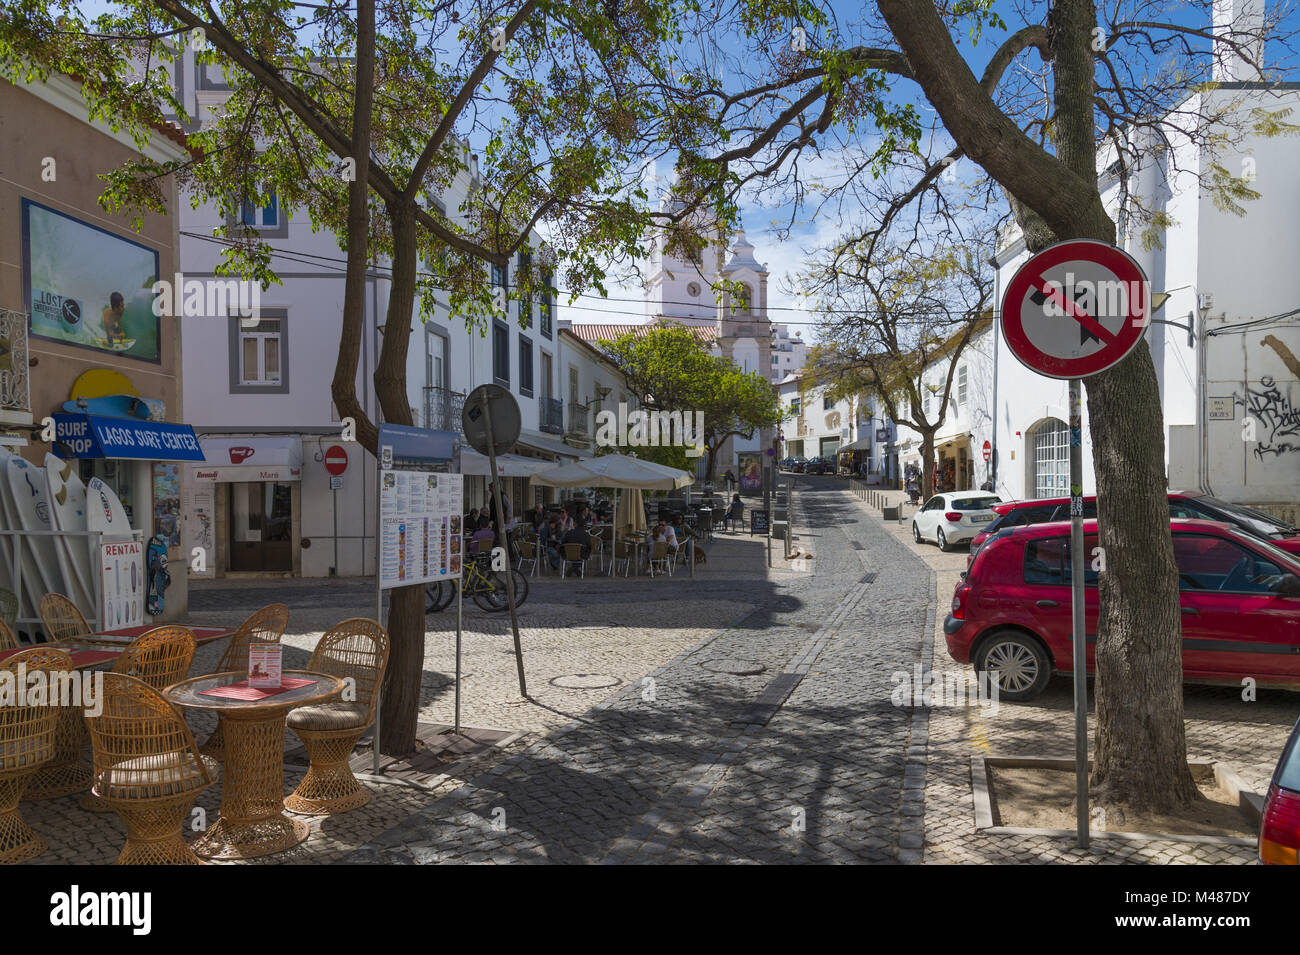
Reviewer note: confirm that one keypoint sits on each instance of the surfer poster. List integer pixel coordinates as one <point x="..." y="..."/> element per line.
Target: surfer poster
<point x="86" y="286"/>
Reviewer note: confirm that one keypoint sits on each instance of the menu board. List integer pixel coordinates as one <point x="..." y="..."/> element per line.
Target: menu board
<point x="420" y="533"/>
<point x="757" y="522"/>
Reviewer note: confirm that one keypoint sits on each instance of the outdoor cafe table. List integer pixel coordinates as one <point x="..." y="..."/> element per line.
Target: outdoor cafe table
<point x="252" y="821"/>
<point x="67" y="772"/>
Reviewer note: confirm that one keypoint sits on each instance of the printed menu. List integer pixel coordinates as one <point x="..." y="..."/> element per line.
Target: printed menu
<point x="417" y="539"/>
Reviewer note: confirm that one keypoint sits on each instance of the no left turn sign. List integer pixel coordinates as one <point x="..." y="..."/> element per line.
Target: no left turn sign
<point x="1075" y="309"/>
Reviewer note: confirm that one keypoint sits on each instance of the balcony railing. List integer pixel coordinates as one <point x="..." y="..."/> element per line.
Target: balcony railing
<point x="550" y="415"/>
<point x="15" y="395"/>
<point x="578" y="418"/>
<point x="442" y="408"/>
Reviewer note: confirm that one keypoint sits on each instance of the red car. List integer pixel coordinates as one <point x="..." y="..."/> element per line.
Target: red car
<point x="1240" y="597"/>
<point x="1192" y="504"/>
<point x="1279" y="830"/>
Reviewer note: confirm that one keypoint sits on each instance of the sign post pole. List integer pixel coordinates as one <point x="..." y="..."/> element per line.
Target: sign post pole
<point x="501" y="532"/>
<point x="1077" y="605"/>
<point x="1073" y="310"/>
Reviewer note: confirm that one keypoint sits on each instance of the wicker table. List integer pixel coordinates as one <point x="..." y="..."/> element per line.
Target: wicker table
<point x="252" y="821"/>
<point x="68" y="772"/>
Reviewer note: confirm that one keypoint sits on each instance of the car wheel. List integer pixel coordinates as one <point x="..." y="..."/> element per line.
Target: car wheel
<point x="916" y="532"/>
<point x="1018" y="662"/>
<point x="941" y="539"/>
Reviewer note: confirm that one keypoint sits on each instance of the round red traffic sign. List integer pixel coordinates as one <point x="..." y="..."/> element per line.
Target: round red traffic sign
<point x="336" y="460"/>
<point x="988" y="452"/>
<point x="1075" y="309"/>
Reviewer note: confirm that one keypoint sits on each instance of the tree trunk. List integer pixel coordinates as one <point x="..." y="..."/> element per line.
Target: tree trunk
<point x="1140" y="753"/>
<point x="1141" y="749"/>
<point x="927" y="465"/>
<point x="344" y="386"/>
<point x="401" y="703"/>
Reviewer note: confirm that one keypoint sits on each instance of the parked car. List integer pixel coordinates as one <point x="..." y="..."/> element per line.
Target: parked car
<point x="799" y="462"/>
<point x="953" y="516"/>
<point x="1181" y="504"/>
<point x="792" y="463"/>
<point x="1279" y="830"/>
<point x="817" y="466"/>
<point x="1240" y="597"/>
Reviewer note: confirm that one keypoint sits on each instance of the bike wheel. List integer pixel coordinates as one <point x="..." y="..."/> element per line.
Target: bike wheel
<point x="433" y="597"/>
<point x="491" y="595"/>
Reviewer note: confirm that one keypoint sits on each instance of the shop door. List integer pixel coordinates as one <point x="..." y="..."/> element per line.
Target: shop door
<point x="261" y="524"/>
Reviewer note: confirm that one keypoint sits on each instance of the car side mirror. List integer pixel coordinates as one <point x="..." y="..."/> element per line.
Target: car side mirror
<point x="1287" y="586"/>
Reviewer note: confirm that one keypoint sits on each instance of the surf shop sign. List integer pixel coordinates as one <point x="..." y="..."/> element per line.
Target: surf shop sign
<point x="90" y="436"/>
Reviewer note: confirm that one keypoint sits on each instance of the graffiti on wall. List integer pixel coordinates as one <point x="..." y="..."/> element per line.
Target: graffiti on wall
<point x="1278" y="428"/>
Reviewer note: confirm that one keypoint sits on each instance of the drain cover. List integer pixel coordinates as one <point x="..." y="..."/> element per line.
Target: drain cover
<point x="586" y="681"/>
<point x="734" y="667"/>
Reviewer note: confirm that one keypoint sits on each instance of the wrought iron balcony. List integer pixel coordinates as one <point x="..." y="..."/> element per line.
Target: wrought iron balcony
<point x="442" y="408"/>
<point x="15" y="395"/>
<point x="579" y="415"/>
<point x="550" y="415"/>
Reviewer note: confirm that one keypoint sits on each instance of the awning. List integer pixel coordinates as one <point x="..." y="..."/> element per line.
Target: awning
<point x="508" y="465"/>
<point x="93" y="436"/>
<point x="550" y="446"/>
<point x="862" y="444"/>
<point x="277" y="458"/>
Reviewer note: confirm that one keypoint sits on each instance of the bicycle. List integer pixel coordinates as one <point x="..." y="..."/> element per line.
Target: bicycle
<point x="486" y="586"/>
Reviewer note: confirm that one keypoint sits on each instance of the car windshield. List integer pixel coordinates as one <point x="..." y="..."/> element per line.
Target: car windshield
<point x="975" y="503"/>
<point x="1248" y="515"/>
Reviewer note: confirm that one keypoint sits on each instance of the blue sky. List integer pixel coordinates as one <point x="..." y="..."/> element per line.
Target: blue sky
<point x="765" y="217"/>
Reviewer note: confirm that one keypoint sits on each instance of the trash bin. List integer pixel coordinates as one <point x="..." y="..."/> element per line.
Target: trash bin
<point x="889" y="514"/>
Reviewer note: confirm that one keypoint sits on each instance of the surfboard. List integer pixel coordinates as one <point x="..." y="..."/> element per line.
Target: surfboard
<point x="9" y="522"/>
<point x="104" y="513"/>
<point x="118" y="345"/>
<point x="68" y="508"/>
<point x="31" y="506"/>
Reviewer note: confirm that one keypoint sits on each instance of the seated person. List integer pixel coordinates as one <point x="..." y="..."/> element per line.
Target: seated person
<point x="585" y="517"/>
<point x="548" y="539"/>
<point x="664" y="532"/>
<point x="484" y="537"/>
<point x="578" y="535"/>
<point x="736" y="512"/>
<point x="566" y="519"/>
<point x="684" y="536"/>
<point x="471" y="519"/>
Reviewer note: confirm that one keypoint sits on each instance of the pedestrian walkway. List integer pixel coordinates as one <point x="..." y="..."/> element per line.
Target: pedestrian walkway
<point x="1247" y="736"/>
<point x="772" y="740"/>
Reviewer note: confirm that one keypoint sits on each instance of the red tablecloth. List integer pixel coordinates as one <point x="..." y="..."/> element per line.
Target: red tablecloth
<point x="80" y="658"/>
<point x="201" y="634"/>
<point x="251" y="694"/>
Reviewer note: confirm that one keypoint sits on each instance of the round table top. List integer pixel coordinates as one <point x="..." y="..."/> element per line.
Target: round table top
<point x="187" y="693"/>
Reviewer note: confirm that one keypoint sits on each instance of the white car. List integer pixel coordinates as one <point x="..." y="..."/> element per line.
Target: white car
<point x="953" y="517"/>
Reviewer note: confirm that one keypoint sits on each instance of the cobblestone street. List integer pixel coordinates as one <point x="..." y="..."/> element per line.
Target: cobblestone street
<point x="742" y="716"/>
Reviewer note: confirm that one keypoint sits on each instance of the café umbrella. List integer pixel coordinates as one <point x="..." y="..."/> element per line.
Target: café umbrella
<point x="619" y="471"/>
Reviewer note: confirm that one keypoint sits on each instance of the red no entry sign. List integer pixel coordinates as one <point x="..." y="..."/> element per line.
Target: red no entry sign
<point x="336" y="460"/>
<point x="988" y="452"/>
<point x="1075" y="309"/>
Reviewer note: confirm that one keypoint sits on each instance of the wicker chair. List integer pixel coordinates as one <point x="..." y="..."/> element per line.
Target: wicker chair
<point x="597" y="551"/>
<point x="528" y="555"/>
<point x="263" y="626"/>
<point x="148" y="769"/>
<point x="624" y="553"/>
<point x="159" y="658"/>
<point x="62" y="619"/>
<point x="8" y="607"/>
<point x="8" y="639"/>
<point x="573" y="558"/>
<point x="659" y="558"/>
<point x="26" y="741"/>
<point x="357" y="651"/>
